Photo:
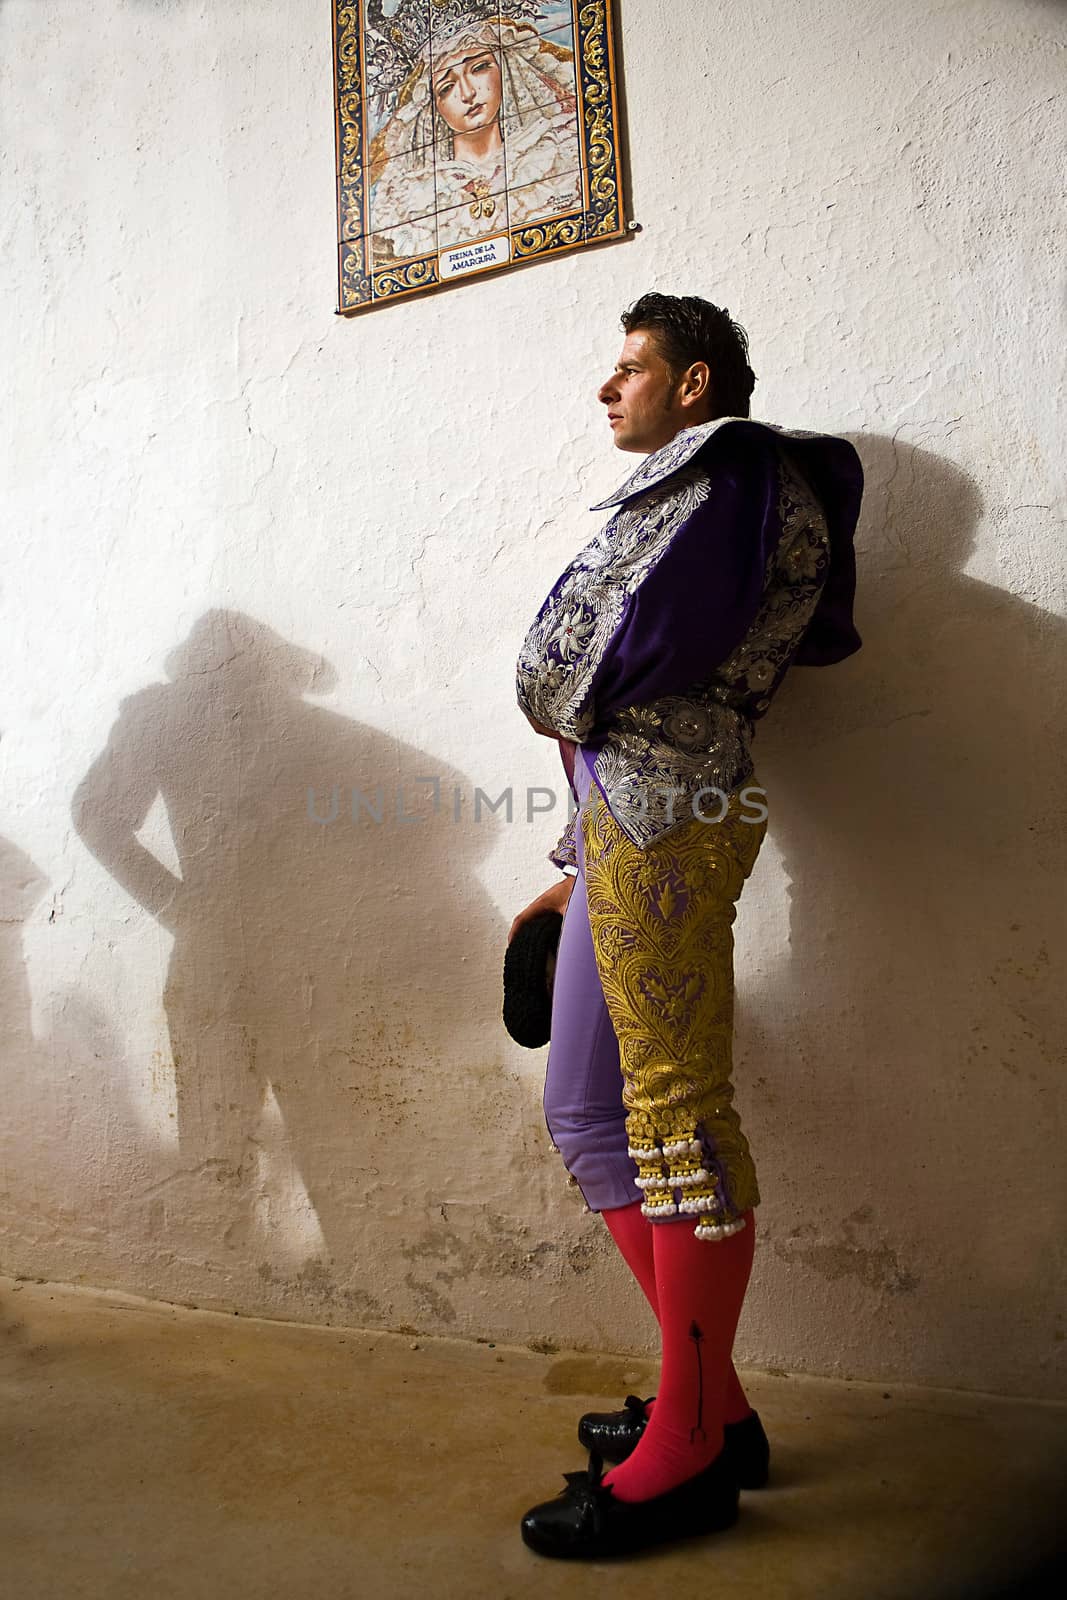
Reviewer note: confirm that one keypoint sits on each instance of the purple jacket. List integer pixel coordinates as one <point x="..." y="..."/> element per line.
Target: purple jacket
<point x="730" y="556"/>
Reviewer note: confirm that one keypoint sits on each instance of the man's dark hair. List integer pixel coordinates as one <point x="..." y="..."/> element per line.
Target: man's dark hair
<point x="687" y="329"/>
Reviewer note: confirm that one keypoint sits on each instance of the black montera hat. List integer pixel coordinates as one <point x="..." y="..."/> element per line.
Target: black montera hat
<point x="529" y="964"/>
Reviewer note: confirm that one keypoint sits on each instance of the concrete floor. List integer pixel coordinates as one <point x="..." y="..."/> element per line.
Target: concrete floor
<point x="149" y="1450"/>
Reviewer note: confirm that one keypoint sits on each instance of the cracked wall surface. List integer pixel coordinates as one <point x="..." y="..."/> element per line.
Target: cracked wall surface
<point x="266" y="576"/>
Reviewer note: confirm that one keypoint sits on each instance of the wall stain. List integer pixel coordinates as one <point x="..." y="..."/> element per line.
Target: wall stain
<point x="876" y="1266"/>
<point x="430" y="1299"/>
<point x="496" y="1247"/>
<point x="583" y="1254"/>
<point x="315" y="1282"/>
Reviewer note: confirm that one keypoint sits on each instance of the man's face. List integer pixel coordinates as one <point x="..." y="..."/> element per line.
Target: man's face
<point x="645" y="406"/>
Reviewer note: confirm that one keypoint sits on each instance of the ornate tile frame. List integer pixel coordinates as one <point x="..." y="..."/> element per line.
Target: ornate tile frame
<point x="598" y="219"/>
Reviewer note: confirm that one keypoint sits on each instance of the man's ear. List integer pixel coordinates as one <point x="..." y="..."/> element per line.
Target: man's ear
<point x="696" y="384"/>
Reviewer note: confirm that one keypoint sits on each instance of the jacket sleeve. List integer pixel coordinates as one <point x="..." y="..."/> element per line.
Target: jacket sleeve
<point x="702" y="596"/>
<point x="565" y="852"/>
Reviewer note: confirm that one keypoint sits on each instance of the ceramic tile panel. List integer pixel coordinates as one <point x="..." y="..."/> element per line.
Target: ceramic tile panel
<point x="471" y="134"/>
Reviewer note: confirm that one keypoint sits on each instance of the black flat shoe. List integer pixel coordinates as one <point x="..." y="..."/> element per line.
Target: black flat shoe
<point x="613" y="1435"/>
<point x="586" y="1522"/>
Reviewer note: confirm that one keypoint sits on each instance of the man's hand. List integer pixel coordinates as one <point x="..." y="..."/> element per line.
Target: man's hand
<point x="554" y="899"/>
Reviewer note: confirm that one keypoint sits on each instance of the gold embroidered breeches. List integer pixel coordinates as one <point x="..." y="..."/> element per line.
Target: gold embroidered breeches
<point x="662" y="926"/>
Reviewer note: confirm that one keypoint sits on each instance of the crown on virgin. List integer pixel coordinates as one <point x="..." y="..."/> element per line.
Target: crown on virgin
<point x="395" y="43"/>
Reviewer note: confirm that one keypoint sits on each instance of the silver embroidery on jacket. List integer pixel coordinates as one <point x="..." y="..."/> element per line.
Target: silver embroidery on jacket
<point x="573" y="628"/>
<point x="655" y="759"/>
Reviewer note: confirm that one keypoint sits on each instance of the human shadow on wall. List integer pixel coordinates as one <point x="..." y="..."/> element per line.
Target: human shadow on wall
<point x="23" y="1059"/>
<point x="915" y="798"/>
<point x="22" y="887"/>
<point x="52" y="1181"/>
<point x="347" y="966"/>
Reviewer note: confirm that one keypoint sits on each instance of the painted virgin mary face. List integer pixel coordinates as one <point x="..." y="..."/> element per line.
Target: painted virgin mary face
<point x="467" y="89"/>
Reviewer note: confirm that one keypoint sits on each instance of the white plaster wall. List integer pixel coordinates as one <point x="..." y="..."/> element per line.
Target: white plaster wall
<point x="252" y="547"/>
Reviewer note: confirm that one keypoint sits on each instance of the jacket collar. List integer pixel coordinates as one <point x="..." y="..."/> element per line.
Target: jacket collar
<point x="681" y="449"/>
